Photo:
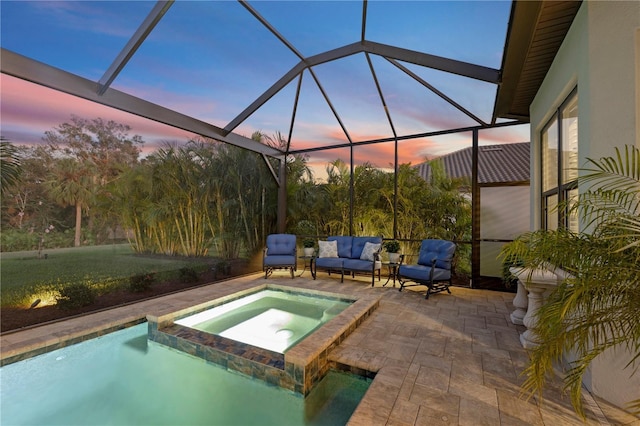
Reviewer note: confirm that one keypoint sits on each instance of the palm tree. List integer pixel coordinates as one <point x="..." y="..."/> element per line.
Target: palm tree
<point x="9" y="165"/>
<point x="72" y="184"/>
<point x="598" y="306"/>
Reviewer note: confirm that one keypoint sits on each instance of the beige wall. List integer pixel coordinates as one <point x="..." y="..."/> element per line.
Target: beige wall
<point x="600" y="55"/>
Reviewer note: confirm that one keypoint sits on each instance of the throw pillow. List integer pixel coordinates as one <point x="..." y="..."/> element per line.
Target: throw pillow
<point x="327" y="249"/>
<point x="368" y="251"/>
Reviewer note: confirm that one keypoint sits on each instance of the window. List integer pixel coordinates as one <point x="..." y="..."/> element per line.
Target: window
<point x="560" y="166"/>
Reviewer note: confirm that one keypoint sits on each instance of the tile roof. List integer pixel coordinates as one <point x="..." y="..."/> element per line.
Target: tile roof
<point x="505" y="163"/>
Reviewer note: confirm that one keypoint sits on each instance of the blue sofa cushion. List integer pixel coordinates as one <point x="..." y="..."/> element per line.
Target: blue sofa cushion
<point x="344" y="245"/>
<point x="358" y="245"/>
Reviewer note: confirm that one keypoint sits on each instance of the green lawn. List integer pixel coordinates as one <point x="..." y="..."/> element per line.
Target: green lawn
<point x="23" y="270"/>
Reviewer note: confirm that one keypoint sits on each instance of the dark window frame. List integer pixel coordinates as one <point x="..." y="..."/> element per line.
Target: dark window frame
<point x="562" y="189"/>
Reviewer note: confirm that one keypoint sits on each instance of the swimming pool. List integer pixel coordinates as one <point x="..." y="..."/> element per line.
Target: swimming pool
<point x="123" y="379"/>
<point x="269" y="319"/>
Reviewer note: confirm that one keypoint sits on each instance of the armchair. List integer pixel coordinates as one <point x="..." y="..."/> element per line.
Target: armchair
<point x="433" y="269"/>
<point x="280" y="253"/>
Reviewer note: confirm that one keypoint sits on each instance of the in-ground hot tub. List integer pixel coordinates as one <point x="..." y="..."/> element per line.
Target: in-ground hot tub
<point x="303" y="326"/>
<point x="269" y="319"/>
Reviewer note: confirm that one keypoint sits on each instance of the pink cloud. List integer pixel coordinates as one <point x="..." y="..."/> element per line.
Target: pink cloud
<point x="28" y="110"/>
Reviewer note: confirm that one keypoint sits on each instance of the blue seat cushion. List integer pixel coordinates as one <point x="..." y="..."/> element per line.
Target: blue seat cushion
<point x="421" y="273"/>
<point x="359" y="265"/>
<point x="329" y="262"/>
<point x="279" y="260"/>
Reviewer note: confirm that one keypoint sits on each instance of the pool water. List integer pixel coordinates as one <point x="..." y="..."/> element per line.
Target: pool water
<point x="122" y="379"/>
<point x="269" y="319"/>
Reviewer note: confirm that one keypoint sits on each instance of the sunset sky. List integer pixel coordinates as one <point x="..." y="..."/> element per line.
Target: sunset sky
<point x="210" y="60"/>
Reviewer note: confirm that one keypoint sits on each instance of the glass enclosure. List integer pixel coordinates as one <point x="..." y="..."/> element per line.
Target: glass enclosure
<point x="188" y="131"/>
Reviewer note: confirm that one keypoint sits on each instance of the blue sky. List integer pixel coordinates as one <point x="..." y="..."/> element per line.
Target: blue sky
<point x="212" y="59"/>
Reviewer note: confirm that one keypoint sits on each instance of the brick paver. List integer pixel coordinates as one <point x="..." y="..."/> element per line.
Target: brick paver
<point x="454" y="359"/>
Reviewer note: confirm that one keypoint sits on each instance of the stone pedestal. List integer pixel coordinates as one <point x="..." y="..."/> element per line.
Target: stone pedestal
<point x="520" y="302"/>
<point x="538" y="283"/>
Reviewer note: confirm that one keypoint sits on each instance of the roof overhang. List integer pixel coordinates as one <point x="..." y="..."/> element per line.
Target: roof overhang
<point x="536" y="31"/>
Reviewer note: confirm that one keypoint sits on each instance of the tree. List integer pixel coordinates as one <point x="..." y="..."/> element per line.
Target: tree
<point x="27" y="206"/>
<point x="104" y="147"/>
<point x="9" y="166"/>
<point x="71" y="183"/>
<point x="597" y="307"/>
<point x="105" y="144"/>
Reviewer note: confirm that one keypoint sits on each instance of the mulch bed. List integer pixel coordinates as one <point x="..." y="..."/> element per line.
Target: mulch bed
<point x="12" y="319"/>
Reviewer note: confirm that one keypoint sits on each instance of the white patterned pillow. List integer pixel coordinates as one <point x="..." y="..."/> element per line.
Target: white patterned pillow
<point x="368" y="251"/>
<point x="328" y="248"/>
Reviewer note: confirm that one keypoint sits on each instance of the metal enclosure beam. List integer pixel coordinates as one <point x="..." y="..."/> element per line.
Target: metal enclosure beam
<point x="268" y="94"/>
<point x="45" y="75"/>
<point x="452" y="66"/>
<point x="132" y="45"/>
<point x="271" y="28"/>
<point x="437" y="92"/>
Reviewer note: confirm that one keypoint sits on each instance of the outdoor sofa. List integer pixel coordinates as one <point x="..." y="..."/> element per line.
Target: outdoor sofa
<point x="349" y="254"/>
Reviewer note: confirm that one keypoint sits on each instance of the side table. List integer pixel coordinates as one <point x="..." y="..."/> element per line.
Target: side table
<point x="392" y="267"/>
<point x="309" y="260"/>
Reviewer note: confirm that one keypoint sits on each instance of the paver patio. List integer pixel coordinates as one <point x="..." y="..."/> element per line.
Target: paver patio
<point x="451" y="360"/>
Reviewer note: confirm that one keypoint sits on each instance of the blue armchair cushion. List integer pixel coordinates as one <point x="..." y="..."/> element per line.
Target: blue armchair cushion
<point x="279" y="260"/>
<point x="423" y="273"/>
<point x="439" y="250"/>
<point x="281" y="244"/>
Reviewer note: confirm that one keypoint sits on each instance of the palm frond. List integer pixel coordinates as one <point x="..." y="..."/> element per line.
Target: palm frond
<point x="598" y="307"/>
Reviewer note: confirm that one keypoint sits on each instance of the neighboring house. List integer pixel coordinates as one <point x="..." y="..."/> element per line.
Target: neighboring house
<point x="573" y="70"/>
<point x="503" y="178"/>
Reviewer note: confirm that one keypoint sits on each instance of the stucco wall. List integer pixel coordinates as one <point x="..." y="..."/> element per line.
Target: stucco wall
<point x="599" y="56"/>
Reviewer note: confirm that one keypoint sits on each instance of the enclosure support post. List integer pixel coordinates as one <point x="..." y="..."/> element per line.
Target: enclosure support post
<point x="475" y="212"/>
<point x="282" y="196"/>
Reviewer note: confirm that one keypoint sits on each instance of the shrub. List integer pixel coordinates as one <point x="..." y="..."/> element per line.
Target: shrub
<point x="188" y="275"/>
<point x="74" y="296"/>
<point x="392" y="246"/>
<point x="142" y="282"/>
<point x="23" y="296"/>
<point x="17" y="240"/>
